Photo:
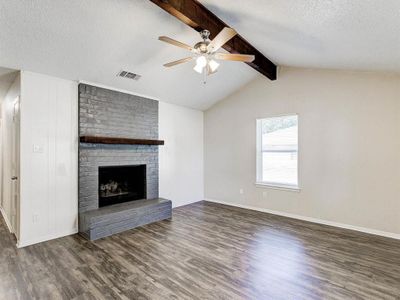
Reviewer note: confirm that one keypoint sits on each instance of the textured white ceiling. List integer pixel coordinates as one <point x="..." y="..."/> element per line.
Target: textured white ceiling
<point x="92" y="40"/>
<point x="334" y="34"/>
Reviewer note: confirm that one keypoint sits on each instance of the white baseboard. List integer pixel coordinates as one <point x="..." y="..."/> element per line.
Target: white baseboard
<point x="41" y="239"/>
<point x="184" y="203"/>
<point x="313" y="220"/>
<point x="8" y="223"/>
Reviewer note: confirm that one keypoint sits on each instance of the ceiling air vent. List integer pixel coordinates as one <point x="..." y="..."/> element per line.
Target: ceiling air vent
<point x="129" y="75"/>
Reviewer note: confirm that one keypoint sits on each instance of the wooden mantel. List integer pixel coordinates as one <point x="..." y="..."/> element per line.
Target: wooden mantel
<point x="117" y="140"/>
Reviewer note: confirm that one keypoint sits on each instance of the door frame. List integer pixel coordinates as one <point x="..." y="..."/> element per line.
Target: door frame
<point x="15" y="180"/>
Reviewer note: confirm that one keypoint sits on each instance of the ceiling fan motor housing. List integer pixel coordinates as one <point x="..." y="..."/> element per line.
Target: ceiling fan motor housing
<point x="202" y="46"/>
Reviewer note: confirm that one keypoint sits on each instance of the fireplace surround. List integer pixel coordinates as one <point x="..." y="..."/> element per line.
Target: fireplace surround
<point x="118" y="181"/>
<point x="109" y="113"/>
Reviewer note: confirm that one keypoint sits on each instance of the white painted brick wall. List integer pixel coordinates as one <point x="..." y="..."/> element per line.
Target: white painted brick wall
<point x="109" y="113"/>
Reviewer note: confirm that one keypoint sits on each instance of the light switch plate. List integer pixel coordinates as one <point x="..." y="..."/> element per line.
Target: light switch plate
<point x="37" y="149"/>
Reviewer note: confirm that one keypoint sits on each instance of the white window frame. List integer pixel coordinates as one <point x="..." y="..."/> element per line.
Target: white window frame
<point x="259" y="160"/>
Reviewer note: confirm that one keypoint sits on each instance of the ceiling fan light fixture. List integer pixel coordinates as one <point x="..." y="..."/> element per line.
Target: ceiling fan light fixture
<point x="198" y="68"/>
<point x="213" y="65"/>
<point x="201" y="61"/>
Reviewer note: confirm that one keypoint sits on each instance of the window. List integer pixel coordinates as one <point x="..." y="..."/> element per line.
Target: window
<point x="277" y="147"/>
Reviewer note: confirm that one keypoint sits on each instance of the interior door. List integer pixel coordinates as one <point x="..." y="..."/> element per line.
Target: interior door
<point x="15" y="169"/>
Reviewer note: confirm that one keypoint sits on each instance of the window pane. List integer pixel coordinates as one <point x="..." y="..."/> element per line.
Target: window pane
<point x="279" y="133"/>
<point x="279" y="150"/>
<point x="280" y="167"/>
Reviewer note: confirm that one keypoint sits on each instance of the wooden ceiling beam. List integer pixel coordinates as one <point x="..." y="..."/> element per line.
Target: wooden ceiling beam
<point x="197" y="16"/>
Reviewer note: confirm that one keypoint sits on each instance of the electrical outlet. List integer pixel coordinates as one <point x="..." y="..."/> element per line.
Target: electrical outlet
<point x="241" y="191"/>
<point x="35" y="218"/>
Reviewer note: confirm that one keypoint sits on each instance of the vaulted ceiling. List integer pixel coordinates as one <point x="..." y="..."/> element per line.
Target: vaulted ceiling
<point x="93" y="40"/>
<point x="334" y="34"/>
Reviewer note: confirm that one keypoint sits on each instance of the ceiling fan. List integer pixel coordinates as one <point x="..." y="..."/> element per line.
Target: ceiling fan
<point x="205" y="52"/>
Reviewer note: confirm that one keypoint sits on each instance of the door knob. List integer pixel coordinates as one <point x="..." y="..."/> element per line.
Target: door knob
<point x="14" y="178"/>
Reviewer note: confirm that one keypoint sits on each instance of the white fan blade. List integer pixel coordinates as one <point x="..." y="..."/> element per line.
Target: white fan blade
<point x="175" y="43"/>
<point x="177" y="62"/>
<point x="225" y="35"/>
<point x="235" y="57"/>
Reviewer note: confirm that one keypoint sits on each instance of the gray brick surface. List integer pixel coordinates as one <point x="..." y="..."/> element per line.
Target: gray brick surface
<point x="113" y="219"/>
<point x="109" y="113"/>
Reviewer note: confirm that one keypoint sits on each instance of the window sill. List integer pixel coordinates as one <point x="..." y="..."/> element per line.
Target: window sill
<point x="277" y="186"/>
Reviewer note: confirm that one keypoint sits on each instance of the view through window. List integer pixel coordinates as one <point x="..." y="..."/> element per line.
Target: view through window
<point x="277" y="147"/>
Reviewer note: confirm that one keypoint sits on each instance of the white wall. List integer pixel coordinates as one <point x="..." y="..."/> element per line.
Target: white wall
<point x="349" y="147"/>
<point x="7" y="112"/>
<point x="49" y="120"/>
<point x="181" y="158"/>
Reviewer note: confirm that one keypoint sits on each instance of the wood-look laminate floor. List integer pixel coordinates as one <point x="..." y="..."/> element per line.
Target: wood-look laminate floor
<point x="207" y="251"/>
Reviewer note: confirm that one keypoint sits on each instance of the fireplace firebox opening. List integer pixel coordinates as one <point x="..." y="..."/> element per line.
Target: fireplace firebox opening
<point x="118" y="184"/>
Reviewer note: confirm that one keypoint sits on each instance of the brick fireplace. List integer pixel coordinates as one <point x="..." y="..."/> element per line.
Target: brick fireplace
<point x="114" y="114"/>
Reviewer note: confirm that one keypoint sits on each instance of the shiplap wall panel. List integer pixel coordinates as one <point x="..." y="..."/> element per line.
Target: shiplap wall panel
<point x="49" y="173"/>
